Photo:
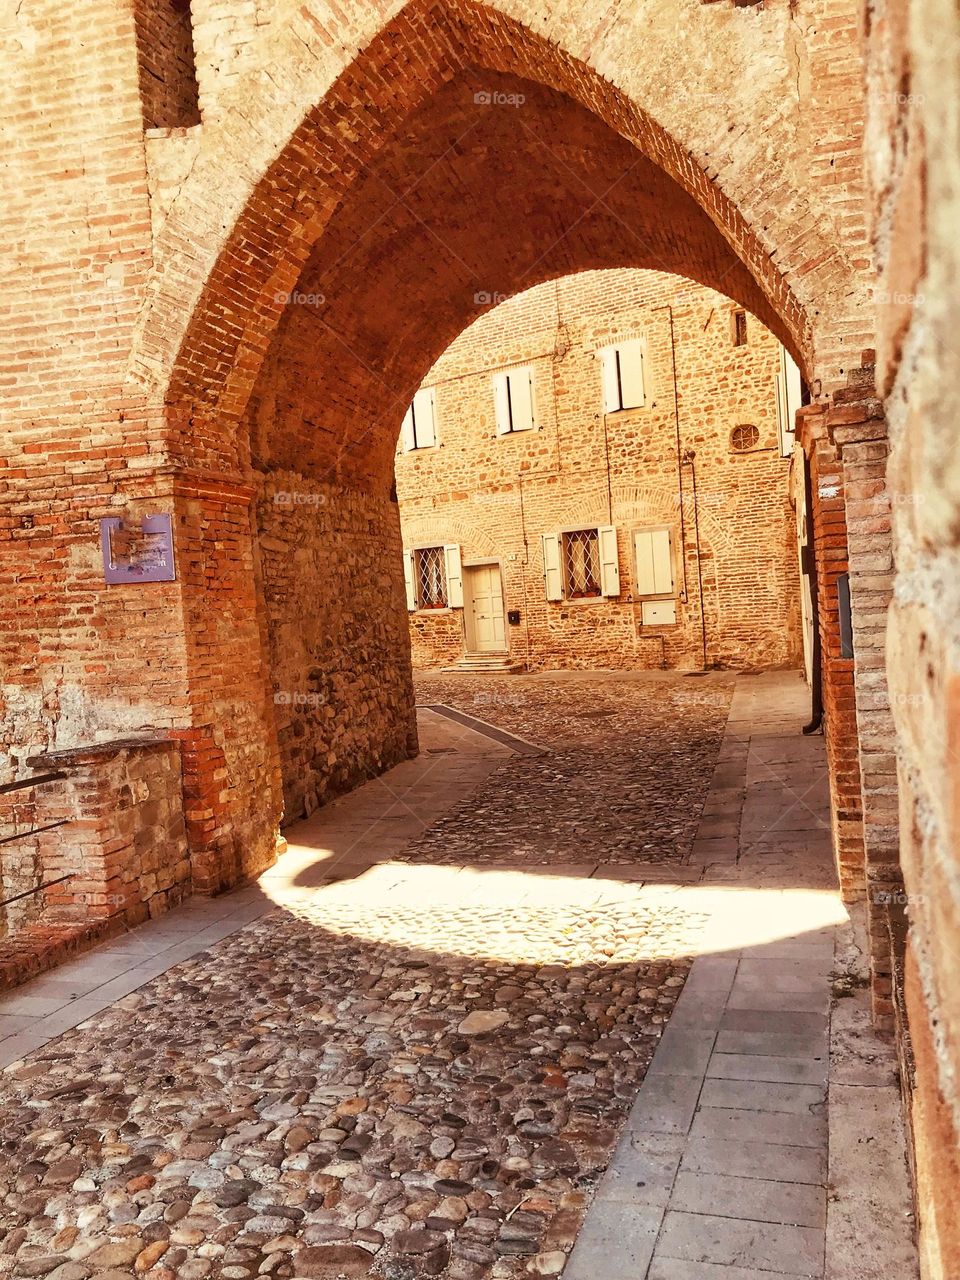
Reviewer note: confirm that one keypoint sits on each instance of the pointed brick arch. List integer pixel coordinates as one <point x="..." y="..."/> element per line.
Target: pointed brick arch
<point x="299" y="187"/>
<point x="209" y="320"/>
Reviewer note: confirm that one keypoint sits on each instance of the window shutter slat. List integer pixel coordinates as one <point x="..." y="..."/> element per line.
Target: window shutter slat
<point x="408" y="580"/>
<point x="452" y="563"/>
<point x="609" y="561"/>
<point x="552" y="572"/>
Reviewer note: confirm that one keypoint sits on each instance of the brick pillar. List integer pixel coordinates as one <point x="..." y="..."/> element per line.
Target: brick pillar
<point x="839" y="700"/>
<point x="857" y="427"/>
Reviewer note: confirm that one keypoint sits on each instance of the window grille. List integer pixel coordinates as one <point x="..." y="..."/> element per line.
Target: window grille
<point x="743" y="437"/>
<point x="739" y="328"/>
<point x="431" y="578"/>
<point x="581" y="563"/>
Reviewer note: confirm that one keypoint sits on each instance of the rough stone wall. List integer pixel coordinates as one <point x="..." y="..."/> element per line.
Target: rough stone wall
<point x="335" y="623"/>
<point x="495" y="495"/>
<point x="123" y="843"/>
<point x="913" y="155"/>
<point x="20" y="861"/>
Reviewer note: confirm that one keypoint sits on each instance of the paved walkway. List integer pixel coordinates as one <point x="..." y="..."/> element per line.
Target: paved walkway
<point x="501" y="1014"/>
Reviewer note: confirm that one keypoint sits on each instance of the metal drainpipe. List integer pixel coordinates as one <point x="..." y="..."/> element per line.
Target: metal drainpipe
<point x="810" y="570"/>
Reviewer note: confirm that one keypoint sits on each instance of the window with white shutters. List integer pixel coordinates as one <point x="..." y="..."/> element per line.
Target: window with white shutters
<point x="433" y="577"/>
<point x="623" y="375"/>
<point x="513" y="400"/>
<point x="419" y="430"/>
<point x="430" y="578"/>
<point x="581" y="564"/>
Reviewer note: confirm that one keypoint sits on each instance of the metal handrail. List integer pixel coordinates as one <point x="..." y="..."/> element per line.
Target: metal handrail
<point x="46" y="885"/>
<point x="22" y="785"/>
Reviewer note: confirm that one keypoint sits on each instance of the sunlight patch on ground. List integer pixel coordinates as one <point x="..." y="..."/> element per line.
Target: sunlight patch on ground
<point x="542" y="917"/>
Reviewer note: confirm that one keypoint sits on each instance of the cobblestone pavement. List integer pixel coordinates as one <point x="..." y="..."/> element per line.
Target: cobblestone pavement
<point x="623" y="775"/>
<point x="407" y="1071"/>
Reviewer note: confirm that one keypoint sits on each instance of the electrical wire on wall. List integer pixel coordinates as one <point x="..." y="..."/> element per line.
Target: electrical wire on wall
<point x="679" y="450"/>
<point x="689" y="459"/>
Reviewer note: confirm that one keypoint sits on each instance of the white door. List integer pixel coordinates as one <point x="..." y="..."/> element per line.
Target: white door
<point x="484" y="601"/>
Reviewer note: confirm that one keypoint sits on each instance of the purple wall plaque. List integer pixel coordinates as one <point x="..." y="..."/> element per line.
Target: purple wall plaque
<point x="137" y="553"/>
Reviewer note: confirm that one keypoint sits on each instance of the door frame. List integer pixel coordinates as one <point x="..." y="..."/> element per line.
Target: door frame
<point x="469" y="639"/>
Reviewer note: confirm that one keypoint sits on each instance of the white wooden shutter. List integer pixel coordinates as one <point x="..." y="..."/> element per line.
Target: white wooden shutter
<point x="623" y="386"/>
<point x="631" y="374"/>
<point x="654" y="562"/>
<point x="425" y="413"/>
<point x="408" y="580"/>
<point x="513" y="400"/>
<point x="609" y="561"/>
<point x="501" y="401"/>
<point x="789" y="398"/>
<point x="552" y="572"/>
<point x="611" y="385"/>
<point x="521" y="398"/>
<point x="451" y="557"/>
<point x="407" y="439"/>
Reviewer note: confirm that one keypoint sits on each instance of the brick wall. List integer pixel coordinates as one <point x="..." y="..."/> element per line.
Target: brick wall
<point x="495" y="495"/>
<point x="913" y="84"/>
<point x="168" y="80"/>
<point x="831" y="554"/>
<point x="124" y="845"/>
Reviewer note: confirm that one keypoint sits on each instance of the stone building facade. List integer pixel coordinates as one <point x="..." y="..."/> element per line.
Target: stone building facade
<point x="629" y="506"/>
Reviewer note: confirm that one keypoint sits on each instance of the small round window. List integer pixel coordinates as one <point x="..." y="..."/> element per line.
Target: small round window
<point x="745" y="436"/>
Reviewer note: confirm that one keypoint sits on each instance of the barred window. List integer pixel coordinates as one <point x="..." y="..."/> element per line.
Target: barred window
<point x="744" y="437"/>
<point x="431" y="578"/>
<point x="581" y="563"/>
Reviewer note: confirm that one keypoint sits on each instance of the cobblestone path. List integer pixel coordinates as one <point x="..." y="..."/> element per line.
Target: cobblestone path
<point x="418" y="1072"/>
<point x="622" y="781"/>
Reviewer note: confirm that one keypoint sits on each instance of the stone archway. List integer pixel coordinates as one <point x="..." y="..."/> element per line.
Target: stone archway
<point x="460" y="156"/>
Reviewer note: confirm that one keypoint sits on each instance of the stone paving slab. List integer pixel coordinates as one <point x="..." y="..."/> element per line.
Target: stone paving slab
<point x="766" y="1246"/>
<point x="754" y="1199"/>
<point x="740" y="1176"/>
<point x="777" y="1162"/>
<point x="766" y="1067"/>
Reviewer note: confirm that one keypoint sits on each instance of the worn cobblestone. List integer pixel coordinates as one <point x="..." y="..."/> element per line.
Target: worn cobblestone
<point x="420" y="1072"/>
<point x="622" y="780"/>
